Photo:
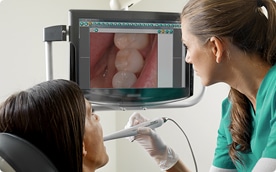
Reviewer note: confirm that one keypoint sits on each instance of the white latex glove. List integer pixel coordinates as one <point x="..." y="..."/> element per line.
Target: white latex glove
<point x="152" y="143"/>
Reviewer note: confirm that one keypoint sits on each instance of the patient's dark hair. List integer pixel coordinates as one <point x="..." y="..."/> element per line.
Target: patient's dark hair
<point x="50" y="115"/>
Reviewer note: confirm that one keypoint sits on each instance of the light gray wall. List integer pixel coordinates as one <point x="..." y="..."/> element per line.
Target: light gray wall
<point x="23" y="65"/>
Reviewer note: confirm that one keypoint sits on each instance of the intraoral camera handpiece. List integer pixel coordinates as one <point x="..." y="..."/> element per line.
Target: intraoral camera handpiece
<point x="132" y="131"/>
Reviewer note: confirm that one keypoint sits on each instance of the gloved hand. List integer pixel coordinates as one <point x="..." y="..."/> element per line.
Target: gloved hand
<point x="152" y="143"/>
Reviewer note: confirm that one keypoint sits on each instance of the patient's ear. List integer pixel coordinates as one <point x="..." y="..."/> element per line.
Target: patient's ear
<point x="84" y="152"/>
<point x="217" y="47"/>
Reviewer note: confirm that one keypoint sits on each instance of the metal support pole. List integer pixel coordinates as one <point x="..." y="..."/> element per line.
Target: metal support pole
<point x="53" y="33"/>
<point x="49" y="61"/>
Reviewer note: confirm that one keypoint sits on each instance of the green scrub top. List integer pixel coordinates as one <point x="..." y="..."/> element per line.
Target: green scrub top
<point x="263" y="140"/>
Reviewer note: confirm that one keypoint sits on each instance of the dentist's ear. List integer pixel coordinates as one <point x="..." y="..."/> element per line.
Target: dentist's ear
<point x="217" y="48"/>
<point x="84" y="152"/>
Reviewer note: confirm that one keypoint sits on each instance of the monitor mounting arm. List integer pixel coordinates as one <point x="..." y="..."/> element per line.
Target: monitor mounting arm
<point x="51" y="34"/>
<point x="122" y="4"/>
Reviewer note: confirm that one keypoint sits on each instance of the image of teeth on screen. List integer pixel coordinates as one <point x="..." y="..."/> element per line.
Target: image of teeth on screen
<point x="123" y="60"/>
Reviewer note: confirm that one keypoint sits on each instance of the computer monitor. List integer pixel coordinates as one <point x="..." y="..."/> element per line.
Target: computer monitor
<point x="129" y="59"/>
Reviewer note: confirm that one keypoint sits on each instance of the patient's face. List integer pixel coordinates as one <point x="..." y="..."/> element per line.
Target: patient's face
<point x="96" y="156"/>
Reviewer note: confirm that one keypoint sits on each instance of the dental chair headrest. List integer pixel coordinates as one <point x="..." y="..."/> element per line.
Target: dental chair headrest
<point x="16" y="154"/>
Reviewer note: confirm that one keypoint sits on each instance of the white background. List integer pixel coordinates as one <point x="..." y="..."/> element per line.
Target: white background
<point x="22" y="64"/>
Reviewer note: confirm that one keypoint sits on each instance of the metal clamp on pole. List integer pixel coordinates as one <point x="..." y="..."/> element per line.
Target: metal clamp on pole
<point x="52" y="33"/>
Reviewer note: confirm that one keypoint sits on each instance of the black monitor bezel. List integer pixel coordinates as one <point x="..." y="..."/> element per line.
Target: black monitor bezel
<point x="120" y="97"/>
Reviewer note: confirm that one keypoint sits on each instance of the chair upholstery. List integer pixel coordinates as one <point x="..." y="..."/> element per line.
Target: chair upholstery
<point x="22" y="156"/>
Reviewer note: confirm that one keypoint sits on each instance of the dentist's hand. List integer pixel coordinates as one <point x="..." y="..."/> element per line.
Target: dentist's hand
<point x="152" y="143"/>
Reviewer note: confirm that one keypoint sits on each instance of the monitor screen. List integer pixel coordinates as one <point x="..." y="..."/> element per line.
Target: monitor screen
<point x="129" y="58"/>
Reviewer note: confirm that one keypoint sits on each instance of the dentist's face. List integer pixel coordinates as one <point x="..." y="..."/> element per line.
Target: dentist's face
<point x="200" y="55"/>
<point x="94" y="155"/>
